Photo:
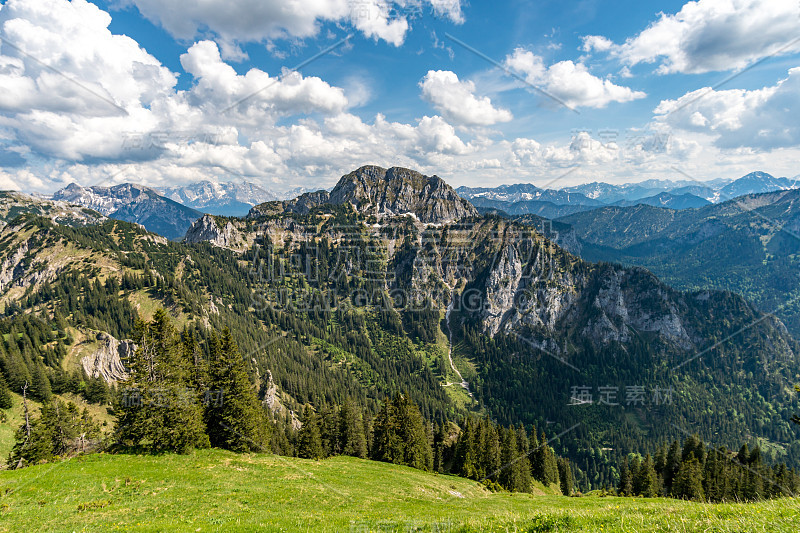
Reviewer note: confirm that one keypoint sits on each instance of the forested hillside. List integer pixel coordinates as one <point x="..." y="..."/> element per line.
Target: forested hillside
<point x="351" y="305"/>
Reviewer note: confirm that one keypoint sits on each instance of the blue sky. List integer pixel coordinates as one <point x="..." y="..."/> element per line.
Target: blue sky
<point x="141" y="90"/>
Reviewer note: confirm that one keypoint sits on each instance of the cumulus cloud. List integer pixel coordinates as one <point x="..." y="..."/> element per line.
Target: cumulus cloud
<point x="761" y="119"/>
<point x="710" y="35"/>
<point x="240" y="21"/>
<point x="256" y="93"/>
<point x="114" y="110"/>
<point x="571" y="83"/>
<point x="457" y="102"/>
<point x="98" y="84"/>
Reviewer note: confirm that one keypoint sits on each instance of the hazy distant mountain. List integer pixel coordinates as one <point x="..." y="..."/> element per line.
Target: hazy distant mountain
<point x="133" y="203"/>
<point x="224" y="198"/>
<point x="610" y="194"/>
<point x="529" y="207"/>
<point x="755" y="183"/>
<point x="748" y="245"/>
<point x="524" y="192"/>
<point x="668" y="200"/>
<point x="675" y="194"/>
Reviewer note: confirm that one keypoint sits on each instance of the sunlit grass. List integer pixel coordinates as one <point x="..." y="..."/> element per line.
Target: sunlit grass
<point x="219" y="491"/>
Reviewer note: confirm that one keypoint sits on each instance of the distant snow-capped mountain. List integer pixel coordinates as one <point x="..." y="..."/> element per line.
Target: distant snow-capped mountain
<point x="133" y="203"/>
<point x="523" y="192"/>
<point x="291" y="194"/>
<point x="525" y="198"/>
<point x="755" y="183"/>
<point x="220" y="198"/>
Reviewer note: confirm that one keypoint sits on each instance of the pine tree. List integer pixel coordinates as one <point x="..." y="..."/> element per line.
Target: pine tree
<point x="353" y="442"/>
<point x="565" y="476"/>
<point x="688" y="483"/>
<point x="310" y="442"/>
<point x="234" y="417"/>
<point x="158" y="410"/>
<point x="6" y="401"/>
<point x="645" y="483"/>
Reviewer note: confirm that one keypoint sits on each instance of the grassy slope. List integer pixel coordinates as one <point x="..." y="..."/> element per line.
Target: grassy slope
<point x="219" y="491"/>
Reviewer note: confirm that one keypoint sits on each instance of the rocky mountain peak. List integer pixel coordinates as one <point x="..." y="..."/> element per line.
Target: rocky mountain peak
<point x="383" y="192"/>
<point x="396" y="191"/>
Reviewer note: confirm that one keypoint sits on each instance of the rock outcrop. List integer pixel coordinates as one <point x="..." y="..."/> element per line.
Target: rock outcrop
<point x="398" y="191"/>
<point x="209" y="229"/>
<point x="106" y="361"/>
<point x="382" y="192"/>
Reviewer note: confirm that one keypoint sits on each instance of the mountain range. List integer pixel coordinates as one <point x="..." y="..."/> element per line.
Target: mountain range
<point x="392" y="283"/>
<point x="219" y="198"/>
<point x="526" y="198"/>
<point x="133" y="203"/>
<point x="749" y="245"/>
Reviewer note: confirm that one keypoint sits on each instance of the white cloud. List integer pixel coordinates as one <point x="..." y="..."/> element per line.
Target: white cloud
<point x="597" y="43"/>
<point x="241" y="21"/>
<point x="761" y="119"/>
<point x="569" y="82"/>
<point x="448" y="8"/>
<point x="99" y="85"/>
<point x="256" y="93"/>
<point x="710" y="35"/>
<point x="457" y="102"/>
<point x="298" y="130"/>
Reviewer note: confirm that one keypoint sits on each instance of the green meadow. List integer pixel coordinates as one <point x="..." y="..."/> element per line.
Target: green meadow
<point x="213" y="490"/>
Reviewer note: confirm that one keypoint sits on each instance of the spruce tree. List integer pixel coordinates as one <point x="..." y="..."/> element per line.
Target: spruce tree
<point x="565" y="476"/>
<point x="310" y="442"/>
<point x="645" y="483"/>
<point x="158" y="410"/>
<point x="688" y="483"/>
<point x="234" y="417"/>
<point x="672" y="465"/>
<point x="545" y="467"/>
<point x="625" y="479"/>
<point x="40" y="384"/>
<point x="413" y="434"/>
<point x="465" y="453"/>
<point x="386" y="444"/>
<point x="490" y="463"/>
<point x="6" y="401"/>
<point x="522" y="477"/>
<point x="58" y="431"/>
<point x="353" y="442"/>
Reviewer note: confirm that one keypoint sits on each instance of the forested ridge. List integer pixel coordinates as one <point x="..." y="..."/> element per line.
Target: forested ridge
<point x="361" y="377"/>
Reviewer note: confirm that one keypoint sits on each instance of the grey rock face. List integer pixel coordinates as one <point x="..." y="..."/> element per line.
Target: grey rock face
<point x="207" y="229"/>
<point x="397" y="191"/>
<point x="106" y="361"/>
<point x="375" y="190"/>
